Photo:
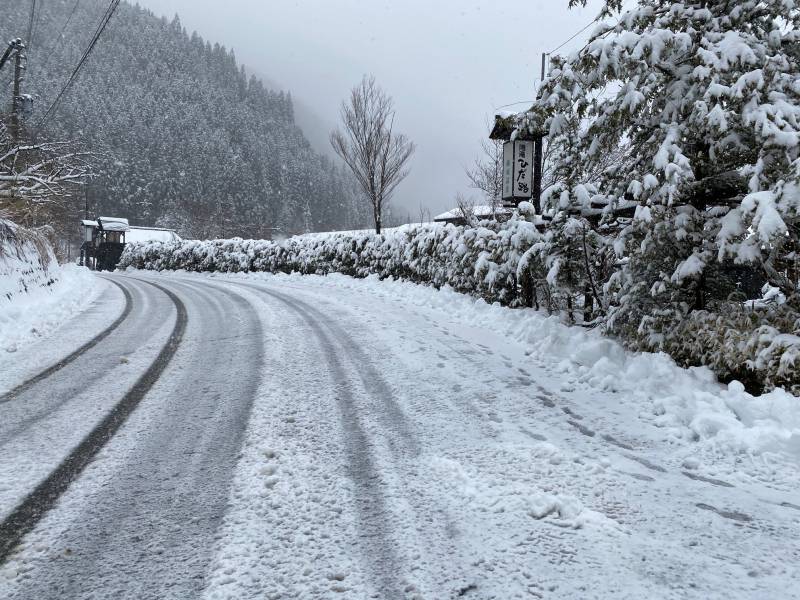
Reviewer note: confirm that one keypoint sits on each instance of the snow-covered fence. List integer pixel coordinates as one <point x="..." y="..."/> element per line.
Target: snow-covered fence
<point x="27" y="261"/>
<point x="509" y="263"/>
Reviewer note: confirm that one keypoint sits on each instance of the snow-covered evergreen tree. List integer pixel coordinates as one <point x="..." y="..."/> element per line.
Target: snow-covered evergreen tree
<point x="700" y="99"/>
<point x="181" y="125"/>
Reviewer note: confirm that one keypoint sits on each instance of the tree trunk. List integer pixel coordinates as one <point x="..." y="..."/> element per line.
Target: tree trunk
<point x="588" y="305"/>
<point x="376" y="215"/>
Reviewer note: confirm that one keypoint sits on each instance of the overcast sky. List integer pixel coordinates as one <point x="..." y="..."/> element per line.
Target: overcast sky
<point x="448" y="64"/>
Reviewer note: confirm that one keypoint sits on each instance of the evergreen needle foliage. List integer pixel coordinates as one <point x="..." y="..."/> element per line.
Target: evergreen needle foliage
<point x="186" y="138"/>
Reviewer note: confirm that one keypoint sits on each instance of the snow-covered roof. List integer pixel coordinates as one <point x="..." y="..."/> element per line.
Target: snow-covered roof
<point x="114" y="223"/>
<point x="89" y="223"/>
<point x="151" y="234"/>
<point x="479" y="211"/>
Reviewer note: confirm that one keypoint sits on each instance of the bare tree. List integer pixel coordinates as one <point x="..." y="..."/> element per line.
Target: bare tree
<point x="486" y="174"/>
<point x="369" y="146"/>
<point x="37" y="180"/>
<point x="465" y="207"/>
<point x="424" y="214"/>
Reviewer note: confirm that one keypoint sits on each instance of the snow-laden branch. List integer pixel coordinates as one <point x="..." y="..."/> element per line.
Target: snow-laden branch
<point x="35" y="175"/>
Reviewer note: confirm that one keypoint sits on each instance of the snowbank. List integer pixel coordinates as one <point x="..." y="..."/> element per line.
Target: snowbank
<point x="36" y="294"/>
<point x="27" y="262"/>
<point x="688" y="403"/>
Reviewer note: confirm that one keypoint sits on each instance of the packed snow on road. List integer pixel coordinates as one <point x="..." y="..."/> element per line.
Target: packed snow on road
<point x="319" y="437"/>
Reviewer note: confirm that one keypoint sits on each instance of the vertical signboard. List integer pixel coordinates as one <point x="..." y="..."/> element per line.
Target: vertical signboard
<point x="523" y="170"/>
<point x="517" y="171"/>
<point x="508" y="171"/>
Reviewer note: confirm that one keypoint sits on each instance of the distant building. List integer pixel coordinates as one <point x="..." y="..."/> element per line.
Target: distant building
<point x="151" y="234"/>
<point x="482" y="213"/>
<point x="104" y="240"/>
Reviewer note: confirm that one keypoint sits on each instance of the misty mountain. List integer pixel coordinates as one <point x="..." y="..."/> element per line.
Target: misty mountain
<point x="185" y="137"/>
<point x="316" y="129"/>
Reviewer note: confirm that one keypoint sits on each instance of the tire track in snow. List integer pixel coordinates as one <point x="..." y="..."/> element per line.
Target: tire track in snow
<point x="381" y="555"/>
<point x="627" y="449"/>
<point x="726" y="514"/>
<point x="17" y="427"/>
<point x="548" y="398"/>
<point x="36" y="505"/>
<point x="10" y="395"/>
<point x="370" y="376"/>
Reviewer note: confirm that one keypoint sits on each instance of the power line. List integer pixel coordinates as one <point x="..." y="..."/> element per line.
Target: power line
<point x="60" y="37"/>
<point x="33" y="26"/>
<point x="30" y="22"/>
<point x="35" y="29"/>
<point x="515" y="104"/>
<point x="112" y="7"/>
<point x="572" y="37"/>
<point x="58" y="40"/>
<point x="564" y="43"/>
<point x="567" y="41"/>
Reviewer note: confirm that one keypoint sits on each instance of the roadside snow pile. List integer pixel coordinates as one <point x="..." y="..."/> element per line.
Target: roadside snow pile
<point x="688" y="404"/>
<point x="27" y="261"/>
<point x="36" y="294"/>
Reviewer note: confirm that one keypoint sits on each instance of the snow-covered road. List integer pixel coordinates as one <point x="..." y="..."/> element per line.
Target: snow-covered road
<point x="309" y="437"/>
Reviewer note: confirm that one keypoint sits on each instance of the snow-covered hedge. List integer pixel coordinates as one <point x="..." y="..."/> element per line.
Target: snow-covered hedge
<point x="759" y="346"/>
<point x="480" y="261"/>
<point x="27" y="261"/>
<point x="505" y="263"/>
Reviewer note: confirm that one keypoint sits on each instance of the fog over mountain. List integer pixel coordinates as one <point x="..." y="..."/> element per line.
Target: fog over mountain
<point x="448" y="64"/>
<point x="315" y="128"/>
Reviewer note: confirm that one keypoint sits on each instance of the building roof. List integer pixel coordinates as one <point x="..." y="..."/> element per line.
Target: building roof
<point x="504" y="126"/>
<point x="509" y="126"/>
<point x="151" y="234"/>
<point x="482" y="212"/>
<point x="114" y="223"/>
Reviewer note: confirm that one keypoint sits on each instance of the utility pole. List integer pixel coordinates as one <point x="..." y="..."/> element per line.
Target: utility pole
<point x="538" y="156"/>
<point x="16" y="48"/>
<point x="16" y="105"/>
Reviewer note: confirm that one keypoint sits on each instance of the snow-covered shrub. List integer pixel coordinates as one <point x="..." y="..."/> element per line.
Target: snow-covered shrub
<point x="482" y="261"/>
<point x="699" y="105"/>
<point x="567" y="269"/>
<point x="759" y="346"/>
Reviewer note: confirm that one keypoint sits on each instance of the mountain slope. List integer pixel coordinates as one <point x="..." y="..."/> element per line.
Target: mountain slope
<point x="315" y="128"/>
<point x="188" y="139"/>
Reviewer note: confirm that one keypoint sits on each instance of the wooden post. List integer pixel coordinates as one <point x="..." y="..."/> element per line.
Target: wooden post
<point x="537" y="173"/>
<point x="538" y="157"/>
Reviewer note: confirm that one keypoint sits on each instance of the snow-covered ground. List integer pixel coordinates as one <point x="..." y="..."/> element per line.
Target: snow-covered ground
<point x="28" y="317"/>
<point x="495" y="453"/>
<point x="405" y="442"/>
<point x="37" y="294"/>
